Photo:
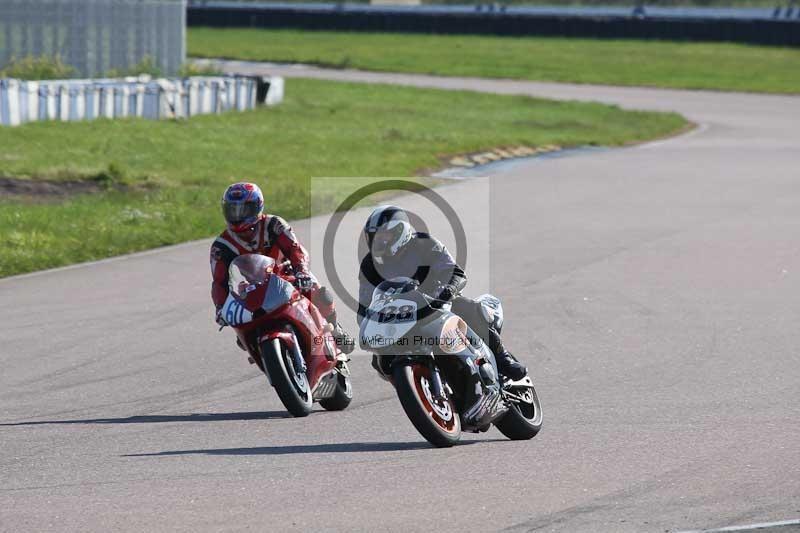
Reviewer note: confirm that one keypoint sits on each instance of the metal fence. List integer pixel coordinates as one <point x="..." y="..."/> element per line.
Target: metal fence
<point x="95" y="36"/>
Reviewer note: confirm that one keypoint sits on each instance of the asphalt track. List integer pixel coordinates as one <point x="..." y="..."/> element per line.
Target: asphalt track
<point x="654" y="291"/>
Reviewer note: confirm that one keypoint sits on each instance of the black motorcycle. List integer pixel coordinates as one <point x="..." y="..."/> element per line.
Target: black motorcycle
<point x="445" y="376"/>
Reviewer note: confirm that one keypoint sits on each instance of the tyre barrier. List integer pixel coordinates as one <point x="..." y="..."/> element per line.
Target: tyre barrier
<point x="164" y="98"/>
<point x="760" y="27"/>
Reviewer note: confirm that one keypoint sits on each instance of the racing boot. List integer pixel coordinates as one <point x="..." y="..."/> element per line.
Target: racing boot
<point x="344" y="341"/>
<point x="508" y="365"/>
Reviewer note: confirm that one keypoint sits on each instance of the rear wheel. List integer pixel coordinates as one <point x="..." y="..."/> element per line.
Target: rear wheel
<point x="290" y="383"/>
<point x="524" y="420"/>
<point x="342" y="397"/>
<point x="435" y="418"/>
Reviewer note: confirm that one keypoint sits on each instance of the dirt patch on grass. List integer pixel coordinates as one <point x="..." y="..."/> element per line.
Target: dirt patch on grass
<point x="47" y="189"/>
<point x="43" y="190"/>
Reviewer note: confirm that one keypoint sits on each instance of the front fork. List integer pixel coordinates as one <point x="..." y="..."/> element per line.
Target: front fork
<point x="437" y="388"/>
<point x="289" y="339"/>
<point x="299" y="362"/>
<point x="436" y="385"/>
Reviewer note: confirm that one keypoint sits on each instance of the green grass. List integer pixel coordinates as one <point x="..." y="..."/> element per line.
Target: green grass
<point x="54" y="68"/>
<point x="322" y="129"/>
<point x="37" y="68"/>
<point x="722" y="66"/>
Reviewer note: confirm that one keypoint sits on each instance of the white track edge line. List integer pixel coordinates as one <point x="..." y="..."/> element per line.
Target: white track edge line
<point x="762" y="525"/>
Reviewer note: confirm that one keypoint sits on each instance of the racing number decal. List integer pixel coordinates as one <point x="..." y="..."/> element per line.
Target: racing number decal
<point x="387" y="314"/>
<point x="405" y="313"/>
<point x="234" y="314"/>
<point x="391" y="313"/>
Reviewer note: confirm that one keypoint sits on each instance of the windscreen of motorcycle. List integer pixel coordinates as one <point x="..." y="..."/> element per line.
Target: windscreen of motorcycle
<point x="279" y="293"/>
<point x="246" y="272"/>
<point x="392" y="287"/>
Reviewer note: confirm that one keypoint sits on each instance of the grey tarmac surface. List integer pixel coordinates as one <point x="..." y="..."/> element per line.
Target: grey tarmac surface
<point x="654" y="291"/>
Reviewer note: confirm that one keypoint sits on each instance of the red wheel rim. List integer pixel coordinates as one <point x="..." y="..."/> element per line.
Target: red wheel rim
<point x="441" y="411"/>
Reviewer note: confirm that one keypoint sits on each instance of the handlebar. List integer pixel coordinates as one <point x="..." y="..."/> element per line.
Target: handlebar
<point x="433" y="301"/>
<point x="285" y="271"/>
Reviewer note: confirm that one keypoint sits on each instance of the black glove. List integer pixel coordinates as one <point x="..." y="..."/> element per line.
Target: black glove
<point x="304" y="281"/>
<point x="447" y="293"/>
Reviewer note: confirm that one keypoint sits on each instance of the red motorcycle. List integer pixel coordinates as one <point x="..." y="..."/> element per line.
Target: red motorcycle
<point x="285" y="335"/>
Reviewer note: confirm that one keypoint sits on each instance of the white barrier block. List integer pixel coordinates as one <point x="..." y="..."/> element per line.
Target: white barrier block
<point x="13" y="102"/>
<point x="224" y="95"/>
<point x="63" y="96"/>
<point x="93" y="94"/>
<point x="108" y="107"/>
<point x="52" y="102"/>
<point x="206" y="105"/>
<point x="194" y="95"/>
<point x="140" y="88"/>
<point x="3" y="98"/>
<point x="275" y="92"/>
<point x="125" y="99"/>
<point x="23" y="102"/>
<point x="101" y="101"/>
<point x="166" y="100"/>
<point x="77" y="104"/>
<point x="33" y="100"/>
<point x="241" y="97"/>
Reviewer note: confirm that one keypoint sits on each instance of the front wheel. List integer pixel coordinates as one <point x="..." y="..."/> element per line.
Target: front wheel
<point x="435" y="418"/>
<point x="291" y="384"/>
<point x="524" y="419"/>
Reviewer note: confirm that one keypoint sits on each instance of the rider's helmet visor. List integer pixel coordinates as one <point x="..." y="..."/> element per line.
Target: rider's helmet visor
<point x="385" y="238"/>
<point x="240" y="212"/>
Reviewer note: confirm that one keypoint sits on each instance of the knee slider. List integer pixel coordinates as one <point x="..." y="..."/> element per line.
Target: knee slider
<point x="491" y="310"/>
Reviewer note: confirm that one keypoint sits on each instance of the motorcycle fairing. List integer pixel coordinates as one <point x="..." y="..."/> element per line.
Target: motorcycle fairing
<point x="385" y="324"/>
<point x="275" y="293"/>
<point x="317" y="342"/>
<point x="279" y="292"/>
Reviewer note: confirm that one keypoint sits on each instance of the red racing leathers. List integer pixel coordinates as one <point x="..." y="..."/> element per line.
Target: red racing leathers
<point x="270" y="236"/>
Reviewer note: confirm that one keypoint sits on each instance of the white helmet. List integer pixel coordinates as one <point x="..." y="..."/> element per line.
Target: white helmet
<point x="387" y="231"/>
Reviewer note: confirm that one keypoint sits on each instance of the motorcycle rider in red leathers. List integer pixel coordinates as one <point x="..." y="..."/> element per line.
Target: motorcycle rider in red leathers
<point x="250" y="230"/>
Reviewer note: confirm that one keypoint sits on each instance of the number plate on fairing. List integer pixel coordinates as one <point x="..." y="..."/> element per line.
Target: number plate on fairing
<point x="234" y="312"/>
<point x="389" y="322"/>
